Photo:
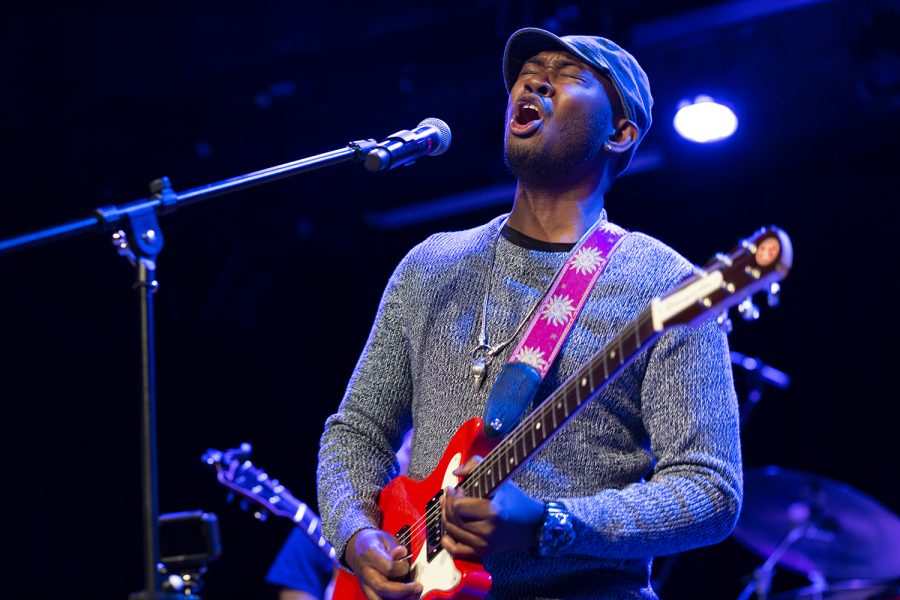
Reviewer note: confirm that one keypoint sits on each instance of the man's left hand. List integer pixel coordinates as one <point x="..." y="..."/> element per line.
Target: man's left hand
<point x="474" y="527"/>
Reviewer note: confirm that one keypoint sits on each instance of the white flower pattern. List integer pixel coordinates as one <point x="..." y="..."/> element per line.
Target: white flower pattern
<point x="586" y="260"/>
<point x="531" y="355"/>
<point x="610" y="227"/>
<point x="558" y="309"/>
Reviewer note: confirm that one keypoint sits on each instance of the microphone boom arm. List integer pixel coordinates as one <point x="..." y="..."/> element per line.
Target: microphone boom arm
<point x="164" y="200"/>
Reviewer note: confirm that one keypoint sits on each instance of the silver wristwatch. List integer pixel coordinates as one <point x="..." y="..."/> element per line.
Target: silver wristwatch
<point x="557" y="532"/>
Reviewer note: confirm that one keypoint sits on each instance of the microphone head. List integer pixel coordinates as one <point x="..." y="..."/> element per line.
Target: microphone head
<point x="444" y="135"/>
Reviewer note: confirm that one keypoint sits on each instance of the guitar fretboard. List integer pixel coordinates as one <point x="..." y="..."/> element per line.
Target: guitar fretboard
<point x="255" y="485"/>
<point x="307" y="520"/>
<point x="547" y="419"/>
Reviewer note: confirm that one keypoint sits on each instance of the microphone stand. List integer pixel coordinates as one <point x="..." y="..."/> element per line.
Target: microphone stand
<point x="140" y="240"/>
<point x="761" y="581"/>
<point x="759" y="375"/>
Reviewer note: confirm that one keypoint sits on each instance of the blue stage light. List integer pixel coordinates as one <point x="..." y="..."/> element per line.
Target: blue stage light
<point x="705" y="120"/>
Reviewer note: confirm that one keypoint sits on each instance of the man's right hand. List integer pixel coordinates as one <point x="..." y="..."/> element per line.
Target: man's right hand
<point x="380" y="564"/>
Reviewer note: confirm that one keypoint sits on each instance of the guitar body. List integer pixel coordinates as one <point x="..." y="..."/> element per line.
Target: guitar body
<point x="405" y="504"/>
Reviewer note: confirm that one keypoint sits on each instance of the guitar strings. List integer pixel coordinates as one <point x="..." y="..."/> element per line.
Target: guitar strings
<point x="419" y="529"/>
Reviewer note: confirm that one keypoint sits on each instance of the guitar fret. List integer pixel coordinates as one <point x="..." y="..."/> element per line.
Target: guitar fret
<point x="624" y="350"/>
<point x="300" y="512"/>
<point x="524" y="440"/>
<point x="566" y="401"/>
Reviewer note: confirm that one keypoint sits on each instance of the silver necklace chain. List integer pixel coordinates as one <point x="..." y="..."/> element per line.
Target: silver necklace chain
<point x="483" y="347"/>
<point x="483" y="354"/>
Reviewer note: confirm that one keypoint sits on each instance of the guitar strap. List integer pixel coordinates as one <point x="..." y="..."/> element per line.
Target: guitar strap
<point x="543" y="338"/>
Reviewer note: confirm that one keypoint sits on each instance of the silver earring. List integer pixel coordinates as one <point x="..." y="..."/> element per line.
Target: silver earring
<point x="608" y="145"/>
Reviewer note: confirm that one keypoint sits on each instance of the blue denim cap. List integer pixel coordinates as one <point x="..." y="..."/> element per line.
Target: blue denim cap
<point x="610" y="59"/>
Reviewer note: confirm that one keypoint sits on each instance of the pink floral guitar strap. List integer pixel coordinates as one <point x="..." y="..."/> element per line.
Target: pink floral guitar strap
<point x="551" y="323"/>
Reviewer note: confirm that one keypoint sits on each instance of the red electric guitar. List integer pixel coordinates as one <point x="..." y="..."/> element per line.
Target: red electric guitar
<point x="239" y="475"/>
<point x="411" y="509"/>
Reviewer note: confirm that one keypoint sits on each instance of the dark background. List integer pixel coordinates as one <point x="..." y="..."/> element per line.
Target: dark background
<point x="267" y="295"/>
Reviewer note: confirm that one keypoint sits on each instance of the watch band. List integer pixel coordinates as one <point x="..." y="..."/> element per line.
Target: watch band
<point x="557" y="532"/>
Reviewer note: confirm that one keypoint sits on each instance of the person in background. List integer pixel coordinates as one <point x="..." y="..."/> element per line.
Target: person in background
<point x="301" y="570"/>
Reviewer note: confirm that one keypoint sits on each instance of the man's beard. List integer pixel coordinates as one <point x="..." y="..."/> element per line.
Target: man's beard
<point x="580" y="142"/>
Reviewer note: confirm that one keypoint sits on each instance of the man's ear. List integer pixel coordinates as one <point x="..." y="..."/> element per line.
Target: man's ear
<point x="625" y="137"/>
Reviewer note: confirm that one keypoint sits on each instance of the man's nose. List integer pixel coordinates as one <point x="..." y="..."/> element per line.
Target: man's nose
<point x="539" y="85"/>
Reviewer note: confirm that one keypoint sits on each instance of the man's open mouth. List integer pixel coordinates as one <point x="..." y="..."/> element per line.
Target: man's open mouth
<point x="527" y="118"/>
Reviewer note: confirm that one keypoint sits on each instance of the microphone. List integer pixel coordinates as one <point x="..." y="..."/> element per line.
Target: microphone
<point x="761" y="370"/>
<point x="430" y="138"/>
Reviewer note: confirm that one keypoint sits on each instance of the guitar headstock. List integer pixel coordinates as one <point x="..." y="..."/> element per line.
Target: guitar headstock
<point x="757" y="263"/>
<point x="243" y="478"/>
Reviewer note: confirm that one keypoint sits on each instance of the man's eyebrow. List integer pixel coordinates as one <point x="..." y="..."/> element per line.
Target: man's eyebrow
<point x="557" y="62"/>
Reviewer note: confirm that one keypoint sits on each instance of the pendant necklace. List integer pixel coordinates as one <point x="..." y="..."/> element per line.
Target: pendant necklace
<point x="484" y="353"/>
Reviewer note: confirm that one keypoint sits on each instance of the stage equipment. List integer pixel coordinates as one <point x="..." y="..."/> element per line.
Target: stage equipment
<point x="138" y="238"/>
<point x="759" y="375"/>
<point x="704" y="120"/>
<point x="188" y="542"/>
<point x="817" y="527"/>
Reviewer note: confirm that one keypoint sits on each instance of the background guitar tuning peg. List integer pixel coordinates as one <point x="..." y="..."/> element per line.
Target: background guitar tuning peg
<point x="261" y="515"/>
<point x="748" y="310"/>
<point x="724" y="322"/>
<point x="244" y="505"/>
<point x="229" y="497"/>
<point x="773" y="297"/>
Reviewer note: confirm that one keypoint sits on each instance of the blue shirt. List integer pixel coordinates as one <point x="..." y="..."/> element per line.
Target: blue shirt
<point x="301" y="565"/>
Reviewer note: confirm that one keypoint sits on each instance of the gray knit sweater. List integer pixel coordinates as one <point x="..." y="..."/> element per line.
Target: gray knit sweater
<point x="652" y="466"/>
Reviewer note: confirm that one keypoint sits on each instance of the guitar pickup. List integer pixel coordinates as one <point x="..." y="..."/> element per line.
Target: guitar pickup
<point x="433" y="528"/>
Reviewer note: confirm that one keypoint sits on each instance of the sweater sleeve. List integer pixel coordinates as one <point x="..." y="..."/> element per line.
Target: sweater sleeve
<point x="356" y="452"/>
<point x="693" y="495"/>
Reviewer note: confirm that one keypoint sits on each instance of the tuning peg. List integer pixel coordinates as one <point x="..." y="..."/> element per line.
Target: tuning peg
<point x="245" y="450"/>
<point x="244" y="505"/>
<point x="229" y="497"/>
<point x="724" y="259"/>
<point x="725" y="323"/>
<point x="261" y="515"/>
<point x="748" y="310"/>
<point x="773" y="298"/>
<point x="212" y="456"/>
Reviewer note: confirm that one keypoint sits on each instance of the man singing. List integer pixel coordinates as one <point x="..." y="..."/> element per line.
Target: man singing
<point x="651" y="466"/>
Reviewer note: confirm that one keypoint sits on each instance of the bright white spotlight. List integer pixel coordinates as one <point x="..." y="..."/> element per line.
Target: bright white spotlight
<point x="704" y="120"/>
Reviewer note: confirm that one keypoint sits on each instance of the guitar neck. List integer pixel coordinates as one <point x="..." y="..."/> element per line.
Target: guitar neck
<point x="536" y="428"/>
<point x="308" y="521"/>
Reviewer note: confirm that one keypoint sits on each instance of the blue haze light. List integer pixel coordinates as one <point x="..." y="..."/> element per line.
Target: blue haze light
<point x="705" y="120"/>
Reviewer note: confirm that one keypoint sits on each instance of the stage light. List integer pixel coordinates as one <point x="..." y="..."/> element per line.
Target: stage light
<point x="704" y="120"/>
